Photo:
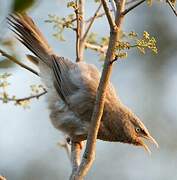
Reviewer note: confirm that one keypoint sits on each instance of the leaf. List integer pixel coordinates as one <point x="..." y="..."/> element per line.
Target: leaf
<point x="4" y="84"/>
<point x="5" y="97"/>
<point x="6" y="63"/>
<point x="141" y="49"/>
<point x="22" y="5"/>
<point x="25" y="104"/>
<point x="173" y="2"/>
<point x="146" y="35"/>
<point x="132" y="34"/>
<point x="92" y="38"/>
<point x="5" y="75"/>
<point x="60" y="24"/>
<point x="36" y="88"/>
<point x="149" y="2"/>
<point x="72" y="4"/>
<point x="104" y="41"/>
<point x="121" y="55"/>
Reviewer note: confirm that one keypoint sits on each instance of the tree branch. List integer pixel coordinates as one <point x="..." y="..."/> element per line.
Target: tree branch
<point x="89" y="153"/>
<point x="75" y="147"/>
<point x="99" y="48"/>
<point x="98" y="16"/>
<point x="75" y="157"/>
<point x="133" y="7"/>
<point x="108" y="14"/>
<point x="13" y="59"/>
<point x="103" y="14"/>
<point x="77" y="32"/>
<point x="172" y="7"/>
<point x="80" y="30"/>
<point x="18" y="100"/>
<point x="131" y="2"/>
<point x="91" y="22"/>
<point x="113" y="6"/>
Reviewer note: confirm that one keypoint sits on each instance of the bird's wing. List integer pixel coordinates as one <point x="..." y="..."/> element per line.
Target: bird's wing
<point x="87" y="78"/>
<point x="76" y="84"/>
<point x="62" y="82"/>
<point x="29" y="34"/>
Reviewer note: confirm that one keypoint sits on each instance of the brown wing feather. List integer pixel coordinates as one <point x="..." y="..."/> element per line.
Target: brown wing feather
<point x="28" y="33"/>
<point x="63" y="83"/>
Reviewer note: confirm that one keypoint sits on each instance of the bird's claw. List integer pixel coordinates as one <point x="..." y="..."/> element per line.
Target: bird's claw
<point x="70" y="141"/>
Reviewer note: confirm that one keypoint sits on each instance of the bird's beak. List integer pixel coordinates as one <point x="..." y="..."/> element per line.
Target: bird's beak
<point x="146" y="148"/>
<point x="152" y="140"/>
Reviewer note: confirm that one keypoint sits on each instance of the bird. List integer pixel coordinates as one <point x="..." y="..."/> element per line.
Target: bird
<point x="71" y="92"/>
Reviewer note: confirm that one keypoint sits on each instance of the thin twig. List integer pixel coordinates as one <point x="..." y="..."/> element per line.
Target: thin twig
<point x="113" y="6"/>
<point x="108" y="14"/>
<point x="79" y="11"/>
<point x="91" y="22"/>
<point x="133" y="7"/>
<point x="172" y="7"/>
<point x="13" y="59"/>
<point x="130" y="2"/>
<point x="77" y="33"/>
<point x="98" y="16"/>
<point x="95" y="47"/>
<point x="103" y="13"/>
<point x="18" y="100"/>
<point x="82" y="28"/>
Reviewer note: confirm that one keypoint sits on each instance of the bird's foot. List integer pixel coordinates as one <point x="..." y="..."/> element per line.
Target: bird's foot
<point x="70" y="141"/>
<point x="81" y="144"/>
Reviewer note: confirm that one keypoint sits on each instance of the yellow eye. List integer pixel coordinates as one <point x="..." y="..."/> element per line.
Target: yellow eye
<point x="137" y="129"/>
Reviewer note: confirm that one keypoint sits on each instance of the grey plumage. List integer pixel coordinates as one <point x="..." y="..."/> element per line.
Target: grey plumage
<point x="72" y="90"/>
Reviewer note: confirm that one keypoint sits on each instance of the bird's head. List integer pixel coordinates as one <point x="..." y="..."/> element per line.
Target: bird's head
<point x="135" y="131"/>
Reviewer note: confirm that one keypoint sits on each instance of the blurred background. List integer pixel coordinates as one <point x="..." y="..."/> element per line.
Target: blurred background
<point x="145" y="83"/>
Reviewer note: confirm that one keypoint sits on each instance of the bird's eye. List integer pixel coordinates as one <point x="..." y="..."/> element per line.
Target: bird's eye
<point x="137" y="129"/>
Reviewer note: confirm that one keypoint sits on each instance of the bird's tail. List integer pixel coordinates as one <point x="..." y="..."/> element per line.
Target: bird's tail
<point x="28" y="33"/>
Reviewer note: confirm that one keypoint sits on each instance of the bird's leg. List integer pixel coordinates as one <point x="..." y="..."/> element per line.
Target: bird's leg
<point x="70" y="140"/>
<point x="81" y="144"/>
